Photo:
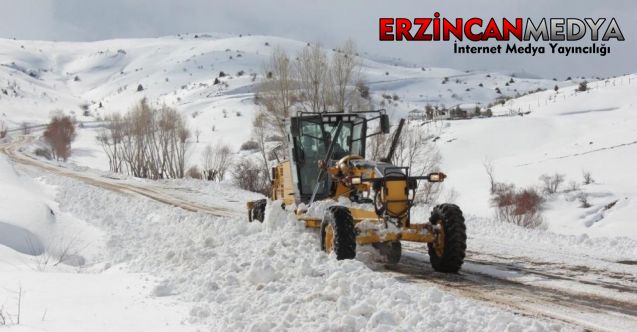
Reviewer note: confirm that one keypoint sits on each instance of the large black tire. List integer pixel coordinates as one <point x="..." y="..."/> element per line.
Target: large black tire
<point x="455" y="243"/>
<point x="344" y="234"/>
<point x="258" y="210"/>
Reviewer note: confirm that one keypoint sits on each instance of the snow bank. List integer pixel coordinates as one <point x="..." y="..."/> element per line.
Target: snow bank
<point x="260" y="277"/>
<point x="31" y="223"/>
<point x="25" y="218"/>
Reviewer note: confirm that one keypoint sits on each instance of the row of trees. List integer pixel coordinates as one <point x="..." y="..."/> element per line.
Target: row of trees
<point x="147" y="142"/>
<point x="312" y="81"/>
<point x="309" y="81"/>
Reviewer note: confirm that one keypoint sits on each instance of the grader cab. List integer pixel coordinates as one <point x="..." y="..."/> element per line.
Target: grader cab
<point x="371" y="199"/>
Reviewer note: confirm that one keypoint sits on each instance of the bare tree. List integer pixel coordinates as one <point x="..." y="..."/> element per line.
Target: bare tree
<point x="312" y="69"/>
<point x="588" y="177"/>
<point x="149" y="143"/>
<point x="551" y="183"/>
<point x="111" y="140"/>
<point x="378" y="146"/>
<point x="416" y="150"/>
<point x="216" y="162"/>
<point x="276" y="91"/>
<point x="490" y="169"/>
<point x="58" y="135"/>
<point x="259" y="134"/>
<point x="197" y="134"/>
<point x="344" y="72"/>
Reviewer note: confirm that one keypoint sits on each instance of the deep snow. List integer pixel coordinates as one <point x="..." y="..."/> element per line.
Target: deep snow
<point x="241" y="276"/>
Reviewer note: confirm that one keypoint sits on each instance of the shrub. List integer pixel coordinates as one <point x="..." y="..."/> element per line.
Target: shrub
<point x="216" y="81"/>
<point x="59" y="134"/>
<point x="42" y="152"/>
<point x="216" y="161"/>
<point x="572" y="186"/>
<point x="222" y="74"/>
<point x="588" y="178"/>
<point x="194" y="173"/>
<point x="551" y="184"/>
<point x="583" y="86"/>
<point x="248" y="176"/>
<point x="249" y="145"/>
<point x="140" y="88"/>
<point x="521" y="207"/>
<point x="582" y="197"/>
<point x="363" y="89"/>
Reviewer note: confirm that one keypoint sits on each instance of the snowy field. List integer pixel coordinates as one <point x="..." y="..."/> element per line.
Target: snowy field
<point x="75" y="257"/>
<point x="177" y="270"/>
<point x="568" y="133"/>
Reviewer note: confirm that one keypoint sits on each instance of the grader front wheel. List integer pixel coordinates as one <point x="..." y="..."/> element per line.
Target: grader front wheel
<point x="447" y="252"/>
<point x="337" y="233"/>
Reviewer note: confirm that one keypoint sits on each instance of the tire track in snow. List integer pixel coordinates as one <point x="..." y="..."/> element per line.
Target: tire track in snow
<point x="12" y="151"/>
<point x="527" y="296"/>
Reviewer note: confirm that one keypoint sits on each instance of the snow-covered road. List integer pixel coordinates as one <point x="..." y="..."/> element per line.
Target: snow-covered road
<point x="574" y="282"/>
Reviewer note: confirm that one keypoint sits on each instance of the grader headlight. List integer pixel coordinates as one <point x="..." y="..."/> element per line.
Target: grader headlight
<point x="436" y="177"/>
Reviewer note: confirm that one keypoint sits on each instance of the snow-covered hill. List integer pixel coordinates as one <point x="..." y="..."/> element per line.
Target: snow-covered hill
<point x="38" y="77"/>
<point x="566" y="132"/>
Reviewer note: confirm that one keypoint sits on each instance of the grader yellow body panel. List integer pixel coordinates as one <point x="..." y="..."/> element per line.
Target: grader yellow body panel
<point x="282" y="184"/>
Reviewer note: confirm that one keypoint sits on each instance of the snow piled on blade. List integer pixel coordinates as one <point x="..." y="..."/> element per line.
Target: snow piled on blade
<point x="267" y="276"/>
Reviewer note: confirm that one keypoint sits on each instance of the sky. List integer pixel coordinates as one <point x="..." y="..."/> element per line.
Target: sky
<point x="329" y="22"/>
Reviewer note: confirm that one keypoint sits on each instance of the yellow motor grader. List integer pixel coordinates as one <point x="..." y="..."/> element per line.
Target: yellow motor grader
<point x="327" y="162"/>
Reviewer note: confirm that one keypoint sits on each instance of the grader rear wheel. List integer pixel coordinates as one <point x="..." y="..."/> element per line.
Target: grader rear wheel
<point x="447" y="252"/>
<point x="337" y="233"/>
